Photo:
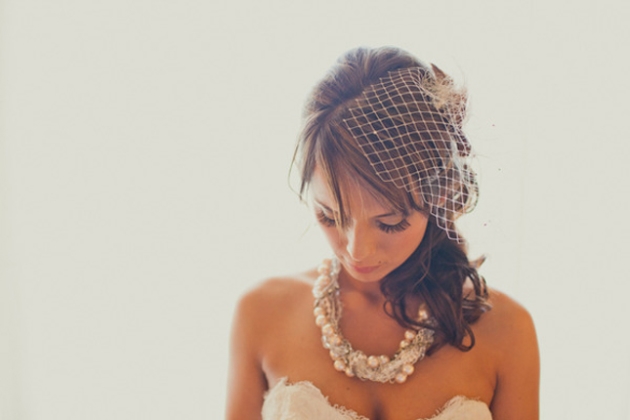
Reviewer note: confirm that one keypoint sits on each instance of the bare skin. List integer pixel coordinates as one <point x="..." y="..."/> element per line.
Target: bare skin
<point x="275" y="336"/>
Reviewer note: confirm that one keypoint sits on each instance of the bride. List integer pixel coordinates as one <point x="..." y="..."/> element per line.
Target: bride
<point x="398" y="325"/>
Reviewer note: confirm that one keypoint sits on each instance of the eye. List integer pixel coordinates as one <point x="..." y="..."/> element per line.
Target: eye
<point x="398" y="227"/>
<point x="325" y="220"/>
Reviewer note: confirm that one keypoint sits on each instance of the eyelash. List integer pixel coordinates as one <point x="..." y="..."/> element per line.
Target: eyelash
<point x="399" y="227"/>
<point x="325" y="220"/>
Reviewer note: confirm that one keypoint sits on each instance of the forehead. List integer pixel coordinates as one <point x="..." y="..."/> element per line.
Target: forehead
<point x="358" y="198"/>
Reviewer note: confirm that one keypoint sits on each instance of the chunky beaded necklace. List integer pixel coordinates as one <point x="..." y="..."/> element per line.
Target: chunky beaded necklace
<point x="354" y="362"/>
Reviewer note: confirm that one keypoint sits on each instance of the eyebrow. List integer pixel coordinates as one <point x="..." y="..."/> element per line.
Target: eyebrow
<point x="391" y="213"/>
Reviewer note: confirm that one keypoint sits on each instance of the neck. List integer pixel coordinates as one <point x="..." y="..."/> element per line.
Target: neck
<point x="368" y="292"/>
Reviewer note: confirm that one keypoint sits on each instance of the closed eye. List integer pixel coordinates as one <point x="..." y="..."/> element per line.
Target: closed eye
<point x="325" y="220"/>
<point x="398" y="227"/>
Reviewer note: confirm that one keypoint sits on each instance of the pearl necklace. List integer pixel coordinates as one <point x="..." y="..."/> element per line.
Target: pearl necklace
<point x="354" y="362"/>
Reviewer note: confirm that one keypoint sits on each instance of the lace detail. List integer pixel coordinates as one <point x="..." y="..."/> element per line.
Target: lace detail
<point x="351" y="414"/>
<point x="460" y="408"/>
<point x="304" y="401"/>
<point x="301" y="401"/>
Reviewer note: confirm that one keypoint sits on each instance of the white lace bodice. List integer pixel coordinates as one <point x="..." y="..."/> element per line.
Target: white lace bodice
<point x="304" y="401"/>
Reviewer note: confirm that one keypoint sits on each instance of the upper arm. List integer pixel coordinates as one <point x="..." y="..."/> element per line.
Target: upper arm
<point x="516" y="394"/>
<point x="247" y="383"/>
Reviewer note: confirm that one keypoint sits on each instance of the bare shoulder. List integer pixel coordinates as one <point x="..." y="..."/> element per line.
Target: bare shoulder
<point x="270" y="301"/>
<point x="276" y="292"/>
<point x="258" y="318"/>
<point x="507" y="324"/>
<point x="508" y="336"/>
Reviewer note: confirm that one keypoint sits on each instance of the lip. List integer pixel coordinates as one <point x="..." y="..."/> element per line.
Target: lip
<point x="364" y="269"/>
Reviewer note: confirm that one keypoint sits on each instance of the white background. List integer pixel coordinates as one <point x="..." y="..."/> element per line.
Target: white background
<point x="144" y="157"/>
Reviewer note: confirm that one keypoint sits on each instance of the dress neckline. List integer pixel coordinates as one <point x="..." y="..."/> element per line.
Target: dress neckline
<point x="455" y="403"/>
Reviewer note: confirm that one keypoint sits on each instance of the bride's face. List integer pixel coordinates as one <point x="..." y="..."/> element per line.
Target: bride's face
<point x="376" y="239"/>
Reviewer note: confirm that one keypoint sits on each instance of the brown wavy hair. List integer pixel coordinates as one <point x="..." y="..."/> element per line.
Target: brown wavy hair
<point x="437" y="270"/>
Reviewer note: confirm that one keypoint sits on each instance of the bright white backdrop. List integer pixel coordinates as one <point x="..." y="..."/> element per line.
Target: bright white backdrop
<point x="144" y="156"/>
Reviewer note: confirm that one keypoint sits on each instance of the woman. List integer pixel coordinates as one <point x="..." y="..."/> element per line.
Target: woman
<point x="399" y="324"/>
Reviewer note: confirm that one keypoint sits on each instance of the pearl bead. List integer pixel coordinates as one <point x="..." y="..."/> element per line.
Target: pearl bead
<point x="401" y="378"/>
<point x="318" y="311"/>
<point x="335" y="340"/>
<point x="325" y="342"/>
<point x="340" y="365"/>
<point x="422" y="314"/>
<point x="403" y="344"/>
<point x="383" y="359"/>
<point x="410" y="335"/>
<point x="373" y="361"/>
<point x="408" y="369"/>
<point x="327" y="329"/>
<point x="321" y="320"/>
<point x="324" y="268"/>
<point x="323" y="281"/>
<point x="349" y="372"/>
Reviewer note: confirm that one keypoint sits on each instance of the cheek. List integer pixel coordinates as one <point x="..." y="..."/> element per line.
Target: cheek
<point x="408" y="241"/>
<point x="400" y="243"/>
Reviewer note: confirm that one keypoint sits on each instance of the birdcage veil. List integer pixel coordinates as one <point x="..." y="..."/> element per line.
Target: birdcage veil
<point x="409" y="126"/>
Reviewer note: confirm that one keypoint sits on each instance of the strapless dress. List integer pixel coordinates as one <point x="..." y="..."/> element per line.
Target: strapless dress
<point x="304" y="401"/>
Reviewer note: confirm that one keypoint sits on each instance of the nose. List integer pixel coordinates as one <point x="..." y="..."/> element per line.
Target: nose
<point x="359" y="243"/>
